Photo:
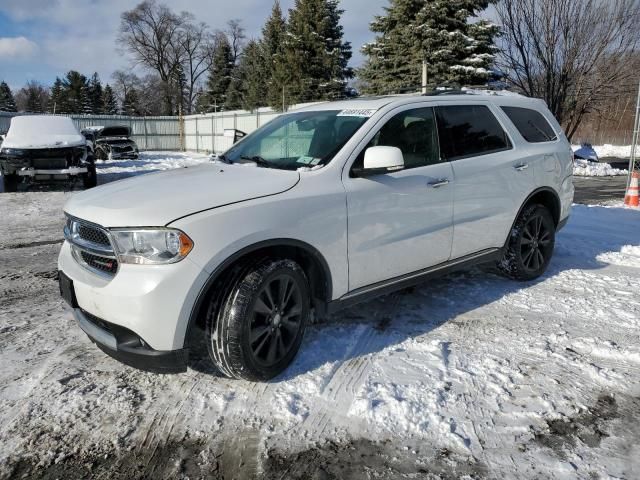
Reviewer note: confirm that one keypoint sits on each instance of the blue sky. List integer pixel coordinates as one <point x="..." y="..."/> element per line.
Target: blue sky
<point x="42" y="39"/>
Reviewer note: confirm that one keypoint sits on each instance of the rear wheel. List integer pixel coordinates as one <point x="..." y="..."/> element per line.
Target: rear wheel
<point x="255" y="329"/>
<point x="10" y="182"/>
<point x="530" y="245"/>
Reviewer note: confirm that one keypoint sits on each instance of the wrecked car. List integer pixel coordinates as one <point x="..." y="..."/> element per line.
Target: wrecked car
<point x="45" y="149"/>
<point x="115" y="143"/>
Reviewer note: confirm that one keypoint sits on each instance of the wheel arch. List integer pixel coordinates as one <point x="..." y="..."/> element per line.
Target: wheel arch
<point x="546" y="196"/>
<point x="311" y="260"/>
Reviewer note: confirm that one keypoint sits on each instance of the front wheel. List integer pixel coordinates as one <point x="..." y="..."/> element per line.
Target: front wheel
<point x="256" y="327"/>
<point x="10" y="182"/>
<point x="90" y="179"/>
<point x="530" y="245"/>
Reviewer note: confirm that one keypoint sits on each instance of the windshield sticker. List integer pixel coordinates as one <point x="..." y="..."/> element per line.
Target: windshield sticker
<point x="357" y="112"/>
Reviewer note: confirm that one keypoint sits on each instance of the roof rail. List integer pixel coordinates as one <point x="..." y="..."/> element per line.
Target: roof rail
<point x="480" y="90"/>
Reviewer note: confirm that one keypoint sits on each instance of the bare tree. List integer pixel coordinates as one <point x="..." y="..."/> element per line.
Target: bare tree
<point x="33" y="98"/>
<point x="123" y="83"/>
<point x="196" y="42"/>
<point x="151" y="34"/>
<point x="235" y="34"/>
<point x="571" y="53"/>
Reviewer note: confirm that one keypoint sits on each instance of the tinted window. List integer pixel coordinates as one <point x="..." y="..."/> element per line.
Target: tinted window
<point x="413" y="132"/>
<point x="531" y="124"/>
<point x="469" y="130"/>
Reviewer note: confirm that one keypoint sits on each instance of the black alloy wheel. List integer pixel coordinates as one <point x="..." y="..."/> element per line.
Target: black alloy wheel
<point x="536" y="244"/>
<point x="257" y="317"/>
<point x="277" y="311"/>
<point x="530" y="245"/>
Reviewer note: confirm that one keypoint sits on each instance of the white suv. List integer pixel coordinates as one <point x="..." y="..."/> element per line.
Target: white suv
<point x="321" y="208"/>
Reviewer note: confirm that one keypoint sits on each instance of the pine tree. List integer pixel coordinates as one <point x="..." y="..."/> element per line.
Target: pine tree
<point x="437" y="31"/>
<point x="75" y="90"/>
<point x="7" y="102"/>
<point x="131" y="105"/>
<point x="316" y="56"/>
<point x="109" y="101"/>
<point x="456" y="51"/>
<point x="96" y="95"/>
<point x="58" y="101"/>
<point x="220" y="75"/>
<point x="251" y="71"/>
<point x="272" y="45"/>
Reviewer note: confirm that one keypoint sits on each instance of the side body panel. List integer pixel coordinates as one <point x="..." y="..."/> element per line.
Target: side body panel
<point x="489" y="190"/>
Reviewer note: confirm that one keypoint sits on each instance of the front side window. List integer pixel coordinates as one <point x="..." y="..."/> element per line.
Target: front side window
<point x="533" y="127"/>
<point x="414" y="132"/>
<point x="469" y="130"/>
<point x="295" y="140"/>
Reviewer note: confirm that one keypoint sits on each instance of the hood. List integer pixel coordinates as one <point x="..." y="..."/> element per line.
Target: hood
<point x="157" y="199"/>
<point x="42" y="131"/>
<point x="117" y="131"/>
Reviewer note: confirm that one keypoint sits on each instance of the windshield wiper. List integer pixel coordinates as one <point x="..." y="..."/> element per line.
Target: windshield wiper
<point x="258" y="160"/>
<point x="223" y="158"/>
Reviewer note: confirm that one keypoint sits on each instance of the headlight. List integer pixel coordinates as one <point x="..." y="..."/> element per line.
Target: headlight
<point x="156" y="246"/>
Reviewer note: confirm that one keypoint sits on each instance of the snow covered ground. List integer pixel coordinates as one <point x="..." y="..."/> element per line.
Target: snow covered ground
<point x="471" y="375"/>
<point x="150" y="161"/>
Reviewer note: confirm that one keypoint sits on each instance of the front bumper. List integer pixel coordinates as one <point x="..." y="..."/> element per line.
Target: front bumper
<point x="153" y="302"/>
<point x="71" y="171"/>
<point x="124" y="155"/>
<point x="128" y="348"/>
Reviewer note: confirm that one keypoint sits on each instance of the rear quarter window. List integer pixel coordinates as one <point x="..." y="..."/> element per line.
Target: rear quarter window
<point x="531" y="124"/>
<point x="468" y="131"/>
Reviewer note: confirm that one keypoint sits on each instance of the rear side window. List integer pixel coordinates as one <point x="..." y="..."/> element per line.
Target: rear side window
<point x="469" y="130"/>
<point x="531" y="124"/>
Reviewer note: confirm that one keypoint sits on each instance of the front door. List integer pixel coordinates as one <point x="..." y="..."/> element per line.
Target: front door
<point x="400" y="222"/>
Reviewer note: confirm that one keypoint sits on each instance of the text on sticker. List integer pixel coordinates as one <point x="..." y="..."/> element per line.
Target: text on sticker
<point x="357" y="112"/>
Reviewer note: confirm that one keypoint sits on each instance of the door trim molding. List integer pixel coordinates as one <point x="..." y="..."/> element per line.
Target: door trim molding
<point x="384" y="287"/>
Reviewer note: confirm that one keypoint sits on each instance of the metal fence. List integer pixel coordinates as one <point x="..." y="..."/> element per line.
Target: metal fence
<point x="201" y="133"/>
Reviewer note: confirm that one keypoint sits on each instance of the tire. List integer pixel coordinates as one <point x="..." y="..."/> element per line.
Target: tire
<point x="10" y="182"/>
<point x="90" y="179"/>
<point x="530" y="245"/>
<point x="252" y="333"/>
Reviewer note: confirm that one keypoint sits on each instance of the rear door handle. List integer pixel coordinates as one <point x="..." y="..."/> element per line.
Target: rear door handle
<point x="441" y="182"/>
<point x="521" y="167"/>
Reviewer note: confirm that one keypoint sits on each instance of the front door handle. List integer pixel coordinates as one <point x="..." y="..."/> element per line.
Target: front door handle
<point x="441" y="182"/>
<point x="521" y="167"/>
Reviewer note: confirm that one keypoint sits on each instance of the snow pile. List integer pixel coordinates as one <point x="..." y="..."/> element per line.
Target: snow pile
<point x="150" y="162"/>
<point x="586" y="168"/>
<point x="618" y="151"/>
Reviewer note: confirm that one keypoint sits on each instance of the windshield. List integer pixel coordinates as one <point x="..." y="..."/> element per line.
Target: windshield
<point x="295" y="140"/>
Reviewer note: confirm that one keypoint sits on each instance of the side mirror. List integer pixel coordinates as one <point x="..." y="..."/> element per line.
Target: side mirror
<point x="382" y="160"/>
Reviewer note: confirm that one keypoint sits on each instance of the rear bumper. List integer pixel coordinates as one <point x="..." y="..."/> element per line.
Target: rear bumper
<point x="126" y="347"/>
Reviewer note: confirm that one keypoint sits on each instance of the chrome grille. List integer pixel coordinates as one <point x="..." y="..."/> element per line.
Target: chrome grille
<point x="93" y="235"/>
<point x="91" y="246"/>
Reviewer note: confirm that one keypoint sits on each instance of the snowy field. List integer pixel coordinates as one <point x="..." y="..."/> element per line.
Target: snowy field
<point x="470" y="375"/>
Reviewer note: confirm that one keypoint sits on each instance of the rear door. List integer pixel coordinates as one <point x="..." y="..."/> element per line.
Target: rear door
<point x="489" y="177"/>
<point x="400" y="222"/>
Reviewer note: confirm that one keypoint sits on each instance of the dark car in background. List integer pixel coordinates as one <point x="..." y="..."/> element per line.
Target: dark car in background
<point x="45" y="149"/>
<point x="115" y="143"/>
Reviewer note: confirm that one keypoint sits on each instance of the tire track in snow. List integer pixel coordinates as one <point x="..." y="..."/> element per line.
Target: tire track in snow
<point x="346" y="378"/>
